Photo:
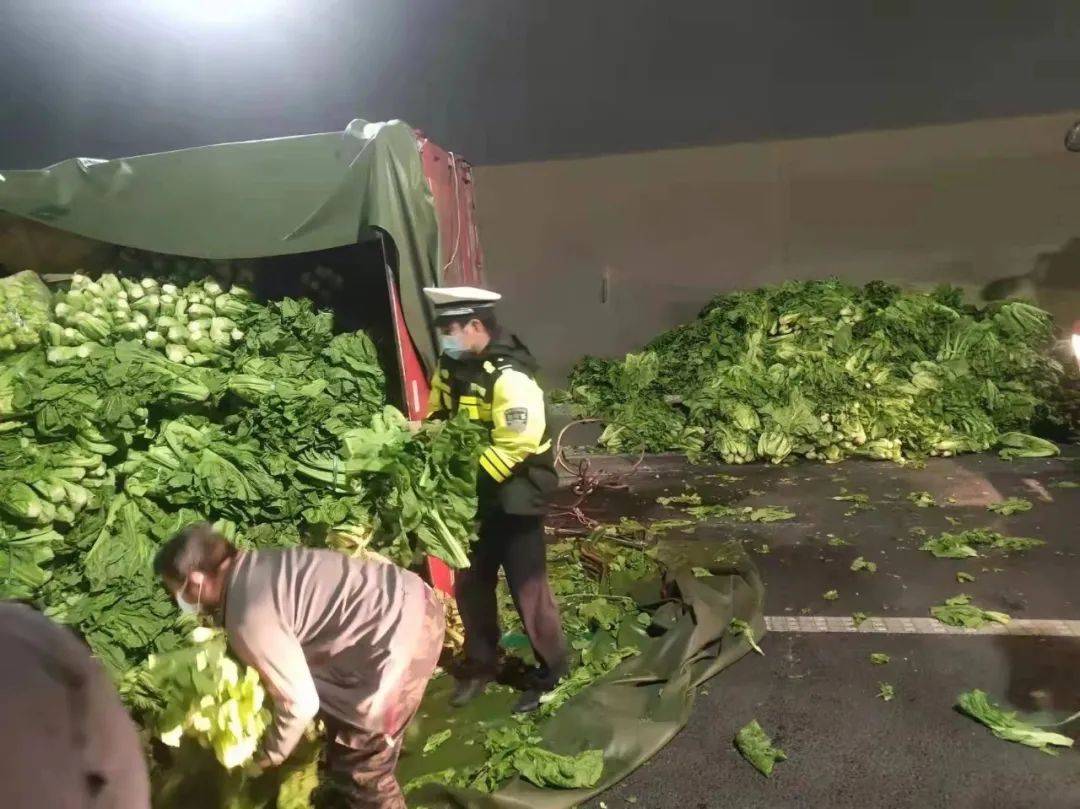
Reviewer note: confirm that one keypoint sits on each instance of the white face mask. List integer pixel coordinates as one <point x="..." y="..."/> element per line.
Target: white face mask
<point x="186" y="606"/>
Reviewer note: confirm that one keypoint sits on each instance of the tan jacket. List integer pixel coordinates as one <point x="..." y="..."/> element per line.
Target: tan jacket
<point x="326" y="633"/>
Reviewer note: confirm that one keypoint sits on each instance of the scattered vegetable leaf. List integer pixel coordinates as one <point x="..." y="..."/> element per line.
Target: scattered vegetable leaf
<point x="959" y="611"/>
<point x="757" y="748"/>
<point x="1006" y="726"/>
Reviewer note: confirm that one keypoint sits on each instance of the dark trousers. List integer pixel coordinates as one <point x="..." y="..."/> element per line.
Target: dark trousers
<point x="516" y="544"/>
<point x="359" y="764"/>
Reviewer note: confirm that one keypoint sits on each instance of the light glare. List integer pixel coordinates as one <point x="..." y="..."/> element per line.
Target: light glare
<point x="219" y="12"/>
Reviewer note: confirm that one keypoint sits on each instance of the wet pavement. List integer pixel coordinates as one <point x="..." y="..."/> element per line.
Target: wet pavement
<point x="818" y="692"/>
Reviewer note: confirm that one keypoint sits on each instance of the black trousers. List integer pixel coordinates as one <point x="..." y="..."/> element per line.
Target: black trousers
<point x="516" y="544"/>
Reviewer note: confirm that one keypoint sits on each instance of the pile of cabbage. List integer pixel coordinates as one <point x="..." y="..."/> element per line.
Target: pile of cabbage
<point x="141" y="406"/>
<point x="193" y="325"/>
<point x="24" y="308"/>
<point x="827" y="370"/>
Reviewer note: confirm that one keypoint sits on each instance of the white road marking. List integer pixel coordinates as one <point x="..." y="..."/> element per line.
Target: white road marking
<point x="1042" y="627"/>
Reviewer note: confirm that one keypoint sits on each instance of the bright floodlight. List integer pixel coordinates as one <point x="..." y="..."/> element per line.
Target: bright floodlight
<point x="1076" y="344"/>
<point x="219" y="11"/>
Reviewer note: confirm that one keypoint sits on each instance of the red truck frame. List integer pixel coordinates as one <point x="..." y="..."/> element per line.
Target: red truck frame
<point x="451" y="182"/>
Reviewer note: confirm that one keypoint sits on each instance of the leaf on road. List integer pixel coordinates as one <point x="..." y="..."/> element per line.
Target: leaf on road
<point x="1006" y="726"/>
<point x="757" y="748"/>
<point x="862" y="564"/>
<point x="959" y="611"/>
<point x="1011" y="505"/>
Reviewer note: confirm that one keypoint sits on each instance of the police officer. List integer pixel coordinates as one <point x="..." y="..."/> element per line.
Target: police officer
<point x="490" y="375"/>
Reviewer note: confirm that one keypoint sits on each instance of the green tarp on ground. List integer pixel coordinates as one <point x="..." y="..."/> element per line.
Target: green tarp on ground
<point x="631" y="712"/>
<point x="251" y="199"/>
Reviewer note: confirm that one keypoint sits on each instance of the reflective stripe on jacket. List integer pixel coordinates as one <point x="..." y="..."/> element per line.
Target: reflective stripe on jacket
<point x="498" y="389"/>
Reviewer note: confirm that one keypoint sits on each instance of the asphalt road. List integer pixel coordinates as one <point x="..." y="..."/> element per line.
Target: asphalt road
<point x="817" y="693"/>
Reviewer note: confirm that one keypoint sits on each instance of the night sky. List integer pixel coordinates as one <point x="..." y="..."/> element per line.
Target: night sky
<point x="508" y="80"/>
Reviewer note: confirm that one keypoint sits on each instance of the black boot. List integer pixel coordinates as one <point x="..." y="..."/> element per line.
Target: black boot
<point x="529" y="700"/>
<point x="468" y="689"/>
<point x="541" y="680"/>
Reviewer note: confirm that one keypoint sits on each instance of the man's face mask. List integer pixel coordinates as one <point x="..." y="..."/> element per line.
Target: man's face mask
<point x="186" y="606"/>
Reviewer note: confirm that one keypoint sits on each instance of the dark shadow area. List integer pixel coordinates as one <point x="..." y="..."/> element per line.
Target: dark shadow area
<point x="1044" y="673"/>
<point x="1052" y="271"/>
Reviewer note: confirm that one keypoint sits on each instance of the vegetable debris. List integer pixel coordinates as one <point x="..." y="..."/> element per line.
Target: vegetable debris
<point x="1011" y="505"/>
<point x="685" y="499"/>
<point x="826" y="370"/>
<point x="922" y="499"/>
<point x="757" y="748"/>
<point x="879" y="658"/>
<point x="862" y="564"/>
<point x="1006" y="726"/>
<point x="886" y="691"/>
<point x="763" y="514"/>
<point x="547" y="769"/>
<point x="740" y="627"/>
<point x="959" y="611"/>
<point x="963" y="545"/>
<point x="437" y="740"/>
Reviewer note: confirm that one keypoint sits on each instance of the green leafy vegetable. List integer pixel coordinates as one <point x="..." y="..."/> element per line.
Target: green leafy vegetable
<point x="1011" y="505"/>
<point x="1020" y="445"/>
<point x="963" y="545"/>
<point x="962" y="577"/>
<point x="857" y="499"/>
<point x="436" y="740"/>
<point x="763" y="514"/>
<point x="862" y="564"/>
<point x="740" y="627"/>
<point x="1006" y="726"/>
<point x="685" y="499"/>
<point x="131" y="406"/>
<point x="922" y="499"/>
<point x="831" y="595"/>
<point x="24" y="311"/>
<point x="879" y="658"/>
<point x="209" y="697"/>
<point x="886" y="692"/>
<point x="959" y="611"/>
<point x="757" y="748"/>
<point x="826" y="370"/>
<point x="547" y="769"/>
<point x="770" y="514"/>
<point x="857" y="618"/>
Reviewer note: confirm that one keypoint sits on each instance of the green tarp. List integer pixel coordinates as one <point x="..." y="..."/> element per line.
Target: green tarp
<point x="631" y="712"/>
<point x="252" y="199"/>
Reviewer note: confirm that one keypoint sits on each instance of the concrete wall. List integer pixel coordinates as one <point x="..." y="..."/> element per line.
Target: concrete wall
<point x="970" y="204"/>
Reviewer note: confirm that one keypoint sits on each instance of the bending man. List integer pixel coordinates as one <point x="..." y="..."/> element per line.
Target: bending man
<point x="353" y="640"/>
